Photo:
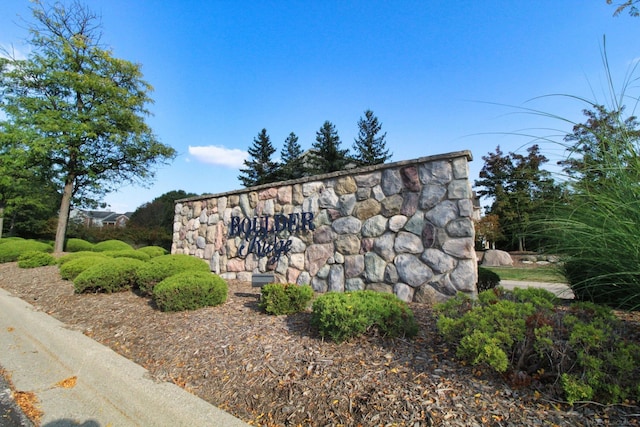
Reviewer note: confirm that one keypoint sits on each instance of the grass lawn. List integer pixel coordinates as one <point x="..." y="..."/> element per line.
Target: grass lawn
<point x="535" y="274"/>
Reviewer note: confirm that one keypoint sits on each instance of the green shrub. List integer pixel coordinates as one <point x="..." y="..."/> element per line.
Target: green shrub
<point x="35" y="259"/>
<point x="487" y="279"/>
<point x="111" y="245"/>
<point x="153" y="251"/>
<point x="127" y="253"/>
<point x="342" y="315"/>
<point x="582" y="348"/>
<point x="78" y="245"/>
<point x="279" y="298"/>
<point x="70" y="269"/>
<point x="11" y="250"/>
<point x="75" y="255"/>
<point x="159" y="268"/>
<point x="109" y="275"/>
<point x="190" y="290"/>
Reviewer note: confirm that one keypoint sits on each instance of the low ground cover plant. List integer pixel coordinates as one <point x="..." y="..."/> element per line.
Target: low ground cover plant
<point x="159" y="268"/>
<point x="190" y="290"/>
<point x="108" y="275"/>
<point x="581" y="350"/>
<point x="285" y="298"/>
<point x="343" y="315"/>
<point x="35" y="259"/>
<point x="12" y="248"/>
<point x="77" y="245"/>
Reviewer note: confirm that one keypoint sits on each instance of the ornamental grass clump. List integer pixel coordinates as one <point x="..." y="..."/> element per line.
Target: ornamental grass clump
<point x="11" y="249"/>
<point x="190" y="290"/>
<point x="285" y="298"/>
<point x="159" y="268"/>
<point x="581" y="352"/>
<point x="109" y="275"/>
<point x="35" y="259"/>
<point x="343" y="315"/>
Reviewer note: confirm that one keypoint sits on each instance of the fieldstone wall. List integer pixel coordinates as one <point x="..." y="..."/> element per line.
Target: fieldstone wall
<point x="402" y="227"/>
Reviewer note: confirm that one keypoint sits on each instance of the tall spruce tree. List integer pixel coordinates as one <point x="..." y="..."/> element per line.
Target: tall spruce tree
<point x="292" y="166"/>
<point x="370" y="149"/>
<point x="260" y="168"/>
<point x="328" y="157"/>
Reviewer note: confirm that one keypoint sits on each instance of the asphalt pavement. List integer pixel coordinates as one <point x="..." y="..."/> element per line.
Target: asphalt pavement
<point x="79" y="382"/>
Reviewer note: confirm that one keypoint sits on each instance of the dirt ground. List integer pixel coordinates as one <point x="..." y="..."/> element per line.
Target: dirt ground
<point x="276" y="371"/>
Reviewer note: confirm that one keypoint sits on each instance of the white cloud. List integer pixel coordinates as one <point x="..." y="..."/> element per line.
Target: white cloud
<point x="218" y="155"/>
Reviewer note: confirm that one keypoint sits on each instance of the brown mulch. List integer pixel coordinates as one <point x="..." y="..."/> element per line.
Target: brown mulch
<point x="276" y="371"/>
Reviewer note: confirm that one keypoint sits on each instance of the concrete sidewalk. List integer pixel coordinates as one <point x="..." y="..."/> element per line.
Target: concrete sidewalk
<point x="561" y="290"/>
<point x="80" y="382"/>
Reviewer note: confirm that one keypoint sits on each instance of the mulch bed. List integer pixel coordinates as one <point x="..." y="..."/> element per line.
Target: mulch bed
<point x="276" y="370"/>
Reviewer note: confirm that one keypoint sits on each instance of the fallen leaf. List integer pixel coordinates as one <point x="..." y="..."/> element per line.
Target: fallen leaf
<point x="67" y="382"/>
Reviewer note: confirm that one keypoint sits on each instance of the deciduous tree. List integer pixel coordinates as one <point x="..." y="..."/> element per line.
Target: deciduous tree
<point x="78" y="110"/>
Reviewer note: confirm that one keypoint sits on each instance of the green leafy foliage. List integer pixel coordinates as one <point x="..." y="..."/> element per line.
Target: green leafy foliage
<point x="487" y="279"/>
<point x="110" y="275"/>
<point x="285" y="298"/>
<point x="190" y="290"/>
<point x="111" y="245"/>
<point x="343" y="315"/>
<point x="159" y="268"/>
<point x="67" y="101"/>
<point x="71" y="267"/>
<point x="78" y="245"/>
<point x="10" y="250"/>
<point x="35" y="259"/>
<point x="75" y="255"/>
<point x="153" y="251"/>
<point x="523" y="334"/>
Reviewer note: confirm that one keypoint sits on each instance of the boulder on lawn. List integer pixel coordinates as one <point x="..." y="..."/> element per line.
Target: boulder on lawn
<point x="496" y="258"/>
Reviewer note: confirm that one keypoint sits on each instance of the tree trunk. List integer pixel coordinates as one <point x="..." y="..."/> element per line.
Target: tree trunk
<point x="63" y="215"/>
<point x="1" y="219"/>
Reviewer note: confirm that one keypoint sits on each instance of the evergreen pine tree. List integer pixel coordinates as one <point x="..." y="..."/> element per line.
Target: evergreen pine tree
<point x="291" y="158"/>
<point x="260" y="169"/>
<point x="328" y="157"/>
<point x="369" y="148"/>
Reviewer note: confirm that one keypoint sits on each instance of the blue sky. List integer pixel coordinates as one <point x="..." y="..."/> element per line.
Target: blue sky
<point x="441" y="76"/>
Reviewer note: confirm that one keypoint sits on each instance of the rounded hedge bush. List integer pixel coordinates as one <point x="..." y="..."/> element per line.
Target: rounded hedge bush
<point x="154" y="251"/>
<point x="487" y="279"/>
<point x="70" y="269"/>
<point x="78" y="245"/>
<point x="159" y="268"/>
<point x="109" y="275"/>
<point x="35" y="259"/>
<point x="111" y="245"/>
<point x="342" y="315"/>
<point x="127" y="253"/>
<point x="75" y="255"/>
<point x="281" y="298"/>
<point x="189" y="291"/>
<point x="10" y="251"/>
